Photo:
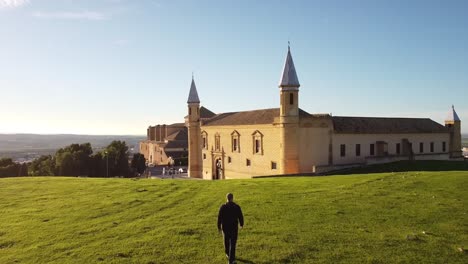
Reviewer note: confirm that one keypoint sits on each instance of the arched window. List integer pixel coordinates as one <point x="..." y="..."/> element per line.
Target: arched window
<point x="257" y="142"/>
<point x="235" y="141"/>
<point x="291" y="99"/>
<point x="204" y="136"/>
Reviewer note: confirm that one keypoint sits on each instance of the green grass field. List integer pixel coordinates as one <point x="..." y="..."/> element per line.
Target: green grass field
<point x="404" y="217"/>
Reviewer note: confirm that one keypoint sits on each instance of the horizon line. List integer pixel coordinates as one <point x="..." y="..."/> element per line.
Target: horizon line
<point x="72" y="134"/>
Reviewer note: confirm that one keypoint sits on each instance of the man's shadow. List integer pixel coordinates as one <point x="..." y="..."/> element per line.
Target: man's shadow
<point x="239" y="260"/>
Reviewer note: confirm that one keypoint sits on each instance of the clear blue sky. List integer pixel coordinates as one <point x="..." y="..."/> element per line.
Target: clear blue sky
<point x="117" y="66"/>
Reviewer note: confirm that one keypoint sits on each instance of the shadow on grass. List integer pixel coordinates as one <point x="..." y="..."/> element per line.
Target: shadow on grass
<point x="403" y="166"/>
<point x="398" y="166"/>
<point x="240" y="260"/>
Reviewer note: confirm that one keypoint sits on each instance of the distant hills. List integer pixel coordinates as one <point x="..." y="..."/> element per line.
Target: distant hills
<point x="25" y="147"/>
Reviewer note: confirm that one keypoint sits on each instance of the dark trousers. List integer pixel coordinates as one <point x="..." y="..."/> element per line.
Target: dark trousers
<point x="230" y="240"/>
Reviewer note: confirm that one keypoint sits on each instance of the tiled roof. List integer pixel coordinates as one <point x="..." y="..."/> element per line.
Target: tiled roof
<point x="176" y="144"/>
<point x="384" y="125"/>
<point x="178" y="135"/>
<point x="262" y="116"/>
<point x="205" y="113"/>
<point x="342" y="124"/>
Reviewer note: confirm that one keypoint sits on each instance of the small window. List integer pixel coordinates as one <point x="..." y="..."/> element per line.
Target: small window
<point x="398" y="150"/>
<point x="229" y="159"/>
<point x="190" y="110"/>
<point x="273" y="165"/>
<point x="421" y="147"/>
<point x="257" y="146"/>
<point x="291" y="99"/>
<point x="432" y="146"/>
<point x="444" y="147"/>
<point x="372" y="149"/>
<point x="247" y="162"/>
<point x="204" y="156"/>
<point x="234" y="144"/>
<point x="342" y="150"/>
<point x="358" y="150"/>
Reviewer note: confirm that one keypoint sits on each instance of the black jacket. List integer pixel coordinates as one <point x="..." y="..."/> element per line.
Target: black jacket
<point x="229" y="216"/>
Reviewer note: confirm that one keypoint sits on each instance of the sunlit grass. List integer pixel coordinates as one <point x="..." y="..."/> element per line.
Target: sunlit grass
<point x="375" y="218"/>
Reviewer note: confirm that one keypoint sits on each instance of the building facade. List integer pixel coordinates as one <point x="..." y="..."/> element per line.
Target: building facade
<point x="288" y="140"/>
<point x="165" y="143"/>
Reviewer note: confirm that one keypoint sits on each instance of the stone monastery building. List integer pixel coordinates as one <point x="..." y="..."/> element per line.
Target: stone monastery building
<point x="164" y="143"/>
<point x="288" y="140"/>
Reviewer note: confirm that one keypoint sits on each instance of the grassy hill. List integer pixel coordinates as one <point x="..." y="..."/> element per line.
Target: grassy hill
<point x="409" y="217"/>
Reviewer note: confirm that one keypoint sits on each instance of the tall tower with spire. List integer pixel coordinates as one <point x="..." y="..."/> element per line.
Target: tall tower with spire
<point x="289" y="117"/>
<point x="194" y="134"/>
<point x="453" y="123"/>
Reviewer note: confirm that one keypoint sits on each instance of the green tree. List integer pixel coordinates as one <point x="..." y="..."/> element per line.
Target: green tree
<point x="74" y="160"/>
<point x="117" y="153"/>
<point x="6" y="162"/>
<point x="8" y="168"/>
<point x="42" y="166"/>
<point x="67" y="165"/>
<point x="97" y="167"/>
<point x="23" y="170"/>
<point x="138" y="163"/>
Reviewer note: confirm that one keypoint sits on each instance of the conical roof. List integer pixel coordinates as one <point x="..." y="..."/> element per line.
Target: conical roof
<point x="193" y="94"/>
<point x="452" y="115"/>
<point x="289" y="76"/>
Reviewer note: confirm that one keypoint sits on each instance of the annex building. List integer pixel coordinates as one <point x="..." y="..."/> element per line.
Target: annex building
<point x="165" y="143"/>
<point x="289" y="140"/>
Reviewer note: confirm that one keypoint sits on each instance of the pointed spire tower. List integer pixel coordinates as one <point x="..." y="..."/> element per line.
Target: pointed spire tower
<point x="453" y="123"/>
<point x="289" y="117"/>
<point x="193" y="94"/>
<point x="194" y="133"/>
<point x="289" y="88"/>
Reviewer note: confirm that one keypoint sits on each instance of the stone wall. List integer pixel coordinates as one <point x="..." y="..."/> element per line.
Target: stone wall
<point x="260" y="163"/>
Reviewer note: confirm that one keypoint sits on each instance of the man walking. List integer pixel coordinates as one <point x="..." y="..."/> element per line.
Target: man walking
<point x="229" y="217"/>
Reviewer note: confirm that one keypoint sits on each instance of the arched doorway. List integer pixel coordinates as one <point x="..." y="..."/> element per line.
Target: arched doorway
<point x="218" y="169"/>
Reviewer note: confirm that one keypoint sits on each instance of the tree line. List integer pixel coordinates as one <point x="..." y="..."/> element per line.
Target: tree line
<point x="79" y="160"/>
<point x="8" y="168"/>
